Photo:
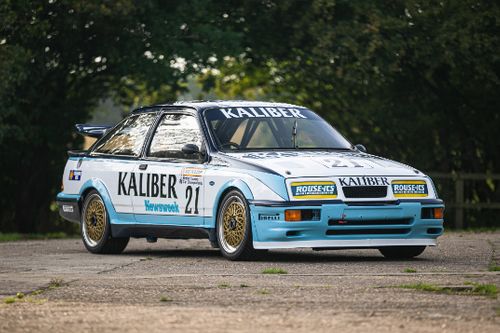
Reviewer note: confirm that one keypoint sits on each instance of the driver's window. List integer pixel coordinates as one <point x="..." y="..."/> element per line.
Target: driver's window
<point x="173" y="132"/>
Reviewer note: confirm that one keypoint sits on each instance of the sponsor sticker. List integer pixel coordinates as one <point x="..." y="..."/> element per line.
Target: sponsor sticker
<point x="409" y="188"/>
<point x="67" y="208"/>
<point x="161" y="207"/>
<point x="192" y="176"/>
<point x="363" y="181"/>
<point x="269" y="217"/>
<point x="75" y="174"/>
<point x="314" y="190"/>
<point x="261" y="112"/>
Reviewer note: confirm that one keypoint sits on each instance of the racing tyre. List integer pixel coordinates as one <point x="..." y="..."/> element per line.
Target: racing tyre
<point x="401" y="252"/>
<point x="234" y="228"/>
<point x="95" y="227"/>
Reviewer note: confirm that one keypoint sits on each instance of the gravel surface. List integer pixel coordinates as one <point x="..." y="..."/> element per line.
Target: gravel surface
<point x="182" y="286"/>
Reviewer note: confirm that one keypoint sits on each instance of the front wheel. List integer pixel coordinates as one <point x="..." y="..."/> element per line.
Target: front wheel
<point x="401" y="252"/>
<point x="234" y="229"/>
<point x="95" y="227"/>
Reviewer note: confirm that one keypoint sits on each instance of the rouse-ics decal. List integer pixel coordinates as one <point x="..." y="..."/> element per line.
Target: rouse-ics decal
<point x="75" y="174"/>
<point x="409" y="188"/>
<point x="314" y="190"/>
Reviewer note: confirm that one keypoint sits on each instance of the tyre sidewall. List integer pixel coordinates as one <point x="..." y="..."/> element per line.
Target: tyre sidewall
<point x="247" y="240"/>
<point x="99" y="247"/>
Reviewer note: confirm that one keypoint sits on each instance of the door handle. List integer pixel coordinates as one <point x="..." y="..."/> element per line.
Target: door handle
<point x="143" y="167"/>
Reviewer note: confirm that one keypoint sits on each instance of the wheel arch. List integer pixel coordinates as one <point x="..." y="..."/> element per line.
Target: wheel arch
<point x="98" y="185"/>
<point x="235" y="184"/>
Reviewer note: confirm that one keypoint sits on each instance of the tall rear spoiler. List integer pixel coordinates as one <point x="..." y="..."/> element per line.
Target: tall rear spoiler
<point x="95" y="131"/>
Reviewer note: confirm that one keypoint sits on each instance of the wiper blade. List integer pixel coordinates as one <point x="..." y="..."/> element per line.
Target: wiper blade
<point x="294" y="135"/>
<point x="325" y="148"/>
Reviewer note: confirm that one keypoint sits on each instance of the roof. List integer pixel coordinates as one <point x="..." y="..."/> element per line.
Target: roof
<point x="203" y="105"/>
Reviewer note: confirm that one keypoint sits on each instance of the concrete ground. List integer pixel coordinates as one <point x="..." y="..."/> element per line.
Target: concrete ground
<point x="181" y="286"/>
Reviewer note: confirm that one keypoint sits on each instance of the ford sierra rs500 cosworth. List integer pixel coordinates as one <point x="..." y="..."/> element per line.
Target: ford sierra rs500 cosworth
<point x="248" y="176"/>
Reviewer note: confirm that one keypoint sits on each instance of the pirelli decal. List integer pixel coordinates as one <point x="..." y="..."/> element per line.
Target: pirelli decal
<point x="314" y="190"/>
<point x="409" y="188"/>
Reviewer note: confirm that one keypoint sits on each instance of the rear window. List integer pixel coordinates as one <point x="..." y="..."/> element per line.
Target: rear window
<point x="128" y="137"/>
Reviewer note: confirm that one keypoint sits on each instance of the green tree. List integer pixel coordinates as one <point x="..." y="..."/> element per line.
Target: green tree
<point x="413" y="80"/>
<point x="59" y="58"/>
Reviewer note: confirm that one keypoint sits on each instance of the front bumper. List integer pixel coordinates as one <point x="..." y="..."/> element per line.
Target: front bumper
<point x="363" y="225"/>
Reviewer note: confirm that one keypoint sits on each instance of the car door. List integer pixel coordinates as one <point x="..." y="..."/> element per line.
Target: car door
<point x="114" y="158"/>
<point x="172" y="179"/>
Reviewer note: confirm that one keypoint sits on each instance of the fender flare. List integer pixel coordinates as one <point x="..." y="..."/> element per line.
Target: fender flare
<point x="233" y="183"/>
<point x="98" y="185"/>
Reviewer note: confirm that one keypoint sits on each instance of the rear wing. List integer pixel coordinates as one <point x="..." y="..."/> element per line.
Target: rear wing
<point x="94" y="131"/>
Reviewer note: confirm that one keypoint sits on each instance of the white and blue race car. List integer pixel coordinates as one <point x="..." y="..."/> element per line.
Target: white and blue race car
<point x="248" y="176"/>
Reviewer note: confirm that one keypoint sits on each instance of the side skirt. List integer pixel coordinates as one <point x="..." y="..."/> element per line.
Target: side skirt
<point x="161" y="231"/>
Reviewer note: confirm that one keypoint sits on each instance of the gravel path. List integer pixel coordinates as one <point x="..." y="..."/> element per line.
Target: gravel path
<point x="182" y="286"/>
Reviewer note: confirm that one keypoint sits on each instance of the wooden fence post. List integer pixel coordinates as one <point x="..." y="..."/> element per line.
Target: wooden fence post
<point x="459" y="202"/>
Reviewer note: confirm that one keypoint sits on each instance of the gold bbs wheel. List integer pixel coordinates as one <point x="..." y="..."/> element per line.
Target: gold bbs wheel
<point x="232" y="224"/>
<point x="94" y="220"/>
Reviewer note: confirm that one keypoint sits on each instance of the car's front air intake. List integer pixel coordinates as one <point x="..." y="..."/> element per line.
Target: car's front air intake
<point x="365" y="191"/>
<point x="341" y="232"/>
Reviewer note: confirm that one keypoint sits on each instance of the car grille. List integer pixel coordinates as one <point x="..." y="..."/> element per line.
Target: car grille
<point x="365" y="191"/>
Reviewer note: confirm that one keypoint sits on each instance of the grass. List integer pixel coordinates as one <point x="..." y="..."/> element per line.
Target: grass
<point x="409" y="270"/>
<point x="244" y="285"/>
<point x="264" y="292"/>
<point x="494" y="268"/>
<point x="165" y="299"/>
<point x="274" y="270"/>
<point x="475" y="229"/>
<point x="469" y="288"/>
<point x="497" y="311"/>
<point x="9" y="300"/>
<point x="56" y="283"/>
<point x="14" y="236"/>
<point x="21" y="297"/>
<point x="224" y="285"/>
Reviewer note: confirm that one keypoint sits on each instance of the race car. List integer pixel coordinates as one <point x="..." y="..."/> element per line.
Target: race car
<point x="248" y="176"/>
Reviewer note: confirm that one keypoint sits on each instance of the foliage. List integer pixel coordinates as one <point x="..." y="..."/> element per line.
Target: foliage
<point x="415" y="81"/>
<point x="59" y="58"/>
<point x="274" y="270"/>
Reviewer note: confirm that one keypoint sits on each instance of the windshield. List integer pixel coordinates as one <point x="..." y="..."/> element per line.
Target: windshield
<point x="269" y="128"/>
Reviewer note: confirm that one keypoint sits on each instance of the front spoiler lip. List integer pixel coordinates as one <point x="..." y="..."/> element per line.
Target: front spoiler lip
<point x="345" y="243"/>
<point x="269" y="203"/>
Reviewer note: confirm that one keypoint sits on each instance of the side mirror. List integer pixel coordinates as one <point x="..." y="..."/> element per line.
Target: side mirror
<point x="360" y="148"/>
<point x="190" y="149"/>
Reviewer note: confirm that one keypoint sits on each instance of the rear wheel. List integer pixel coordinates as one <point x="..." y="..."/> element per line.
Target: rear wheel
<point x="401" y="252"/>
<point x="95" y="227"/>
<point x="234" y="229"/>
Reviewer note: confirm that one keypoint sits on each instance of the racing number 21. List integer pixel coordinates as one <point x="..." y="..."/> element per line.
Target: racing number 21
<point x="189" y="197"/>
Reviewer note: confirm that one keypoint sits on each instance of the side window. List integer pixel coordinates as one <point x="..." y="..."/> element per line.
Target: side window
<point x="173" y="132"/>
<point x="127" y="138"/>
